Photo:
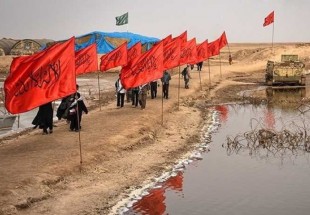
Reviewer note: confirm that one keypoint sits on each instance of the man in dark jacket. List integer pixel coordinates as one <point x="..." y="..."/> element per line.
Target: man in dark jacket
<point x="165" y="82"/>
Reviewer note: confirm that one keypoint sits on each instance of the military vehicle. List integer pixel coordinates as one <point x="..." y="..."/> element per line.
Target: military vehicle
<point x="290" y="71"/>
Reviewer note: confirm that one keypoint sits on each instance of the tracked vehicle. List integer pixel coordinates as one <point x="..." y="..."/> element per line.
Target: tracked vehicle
<point x="290" y="71"/>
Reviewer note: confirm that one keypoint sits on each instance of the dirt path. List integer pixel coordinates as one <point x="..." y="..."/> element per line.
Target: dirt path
<point x="122" y="148"/>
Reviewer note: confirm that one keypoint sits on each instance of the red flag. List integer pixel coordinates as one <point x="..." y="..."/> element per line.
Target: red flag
<point x="183" y="38"/>
<point x="214" y="48"/>
<point x="167" y="39"/>
<point x="223" y="41"/>
<point x="172" y="53"/>
<point x="117" y="57"/>
<point x="149" y="66"/>
<point x="202" y="51"/>
<point x="41" y="78"/>
<point x="189" y="52"/>
<point x="134" y="52"/>
<point x="269" y="19"/>
<point x="86" y="60"/>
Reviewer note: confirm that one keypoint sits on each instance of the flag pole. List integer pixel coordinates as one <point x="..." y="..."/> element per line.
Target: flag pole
<point x="209" y="73"/>
<point x="53" y="112"/>
<point x="229" y="56"/>
<point x="162" y="104"/>
<point x="18" y="120"/>
<point x="127" y="21"/>
<point x="179" y="88"/>
<point x="80" y="142"/>
<point x="200" y="79"/>
<point x="220" y="65"/>
<point x="272" y="37"/>
<point x="99" y="92"/>
<point x="228" y="48"/>
<point x="79" y="129"/>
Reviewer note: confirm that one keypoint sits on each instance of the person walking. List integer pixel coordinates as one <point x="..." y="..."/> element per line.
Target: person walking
<point x="153" y="89"/>
<point x="135" y="96"/>
<point x="44" y="118"/>
<point x="63" y="108"/>
<point x="75" y="112"/>
<point x="199" y="66"/>
<point x="143" y="95"/>
<point x="230" y="59"/>
<point x="186" y="75"/>
<point x="165" y="82"/>
<point x="120" y="96"/>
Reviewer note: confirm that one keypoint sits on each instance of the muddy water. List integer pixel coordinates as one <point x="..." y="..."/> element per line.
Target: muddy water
<point x="222" y="181"/>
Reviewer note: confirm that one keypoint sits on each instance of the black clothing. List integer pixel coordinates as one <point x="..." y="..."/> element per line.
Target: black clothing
<point x="166" y="90"/>
<point x="75" y="114"/>
<point x="153" y="89"/>
<point x="63" y="108"/>
<point x="165" y="82"/>
<point x="44" y="118"/>
<point x="120" y="99"/>
<point x="120" y="93"/>
<point x="199" y="66"/>
<point x="135" y="96"/>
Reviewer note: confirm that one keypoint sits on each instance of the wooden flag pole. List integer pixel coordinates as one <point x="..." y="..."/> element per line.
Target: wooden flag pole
<point x="179" y="88"/>
<point x="162" y="104"/>
<point x="209" y="74"/>
<point x="18" y="120"/>
<point x="220" y="65"/>
<point x="78" y="123"/>
<point x="99" y="92"/>
<point x="200" y="80"/>
<point x="230" y="57"/>
<point x="53" y="112"/>
<point x="272" y="37"/>
<point x="228" y="48"/>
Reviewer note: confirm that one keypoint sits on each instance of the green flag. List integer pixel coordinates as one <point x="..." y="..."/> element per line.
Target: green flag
<point x="122" y="20"/>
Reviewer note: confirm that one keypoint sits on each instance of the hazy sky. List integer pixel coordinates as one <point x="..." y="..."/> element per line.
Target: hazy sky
<point x="204" y="19"/>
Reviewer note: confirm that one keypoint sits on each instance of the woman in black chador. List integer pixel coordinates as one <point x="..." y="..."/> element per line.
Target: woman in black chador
<point x="44" y="118"/>
<point x="75" y="112"/>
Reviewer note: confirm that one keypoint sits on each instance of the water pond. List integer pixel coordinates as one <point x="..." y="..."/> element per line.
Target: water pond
<point x="257" y="162"/>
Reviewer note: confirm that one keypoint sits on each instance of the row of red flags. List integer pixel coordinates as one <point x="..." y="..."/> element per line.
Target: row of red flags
<point x="51" y="74"/>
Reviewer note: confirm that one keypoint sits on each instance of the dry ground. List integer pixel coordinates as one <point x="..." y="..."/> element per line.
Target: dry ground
<point x="123" y="148"/>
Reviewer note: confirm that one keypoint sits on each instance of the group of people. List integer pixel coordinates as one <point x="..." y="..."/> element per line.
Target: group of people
<point x="70" y="108"/>
<point x="138" y="95"/>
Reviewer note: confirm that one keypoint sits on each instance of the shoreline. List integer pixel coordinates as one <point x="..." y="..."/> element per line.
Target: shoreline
<point x="134" y="194"/>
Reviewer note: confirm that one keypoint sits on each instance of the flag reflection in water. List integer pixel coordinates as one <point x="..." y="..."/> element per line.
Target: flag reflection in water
<point x="154" y="202"/>
<point x="175" y="183"/>
<point x="223" y="111"/>
<point x="269" y="118"/>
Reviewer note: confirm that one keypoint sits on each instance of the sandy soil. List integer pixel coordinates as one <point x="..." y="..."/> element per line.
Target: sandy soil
<point x="124" y="148"/>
